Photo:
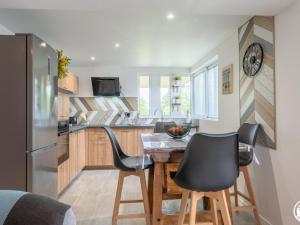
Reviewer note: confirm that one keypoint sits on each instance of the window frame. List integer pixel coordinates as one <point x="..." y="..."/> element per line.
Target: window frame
<point x="205" y="70"/>
<point x="138" y="90"/>
<point x="151" y="85"/>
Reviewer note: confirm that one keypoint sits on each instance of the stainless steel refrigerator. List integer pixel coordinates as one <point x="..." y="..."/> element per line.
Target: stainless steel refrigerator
<point x="28" y="98"/>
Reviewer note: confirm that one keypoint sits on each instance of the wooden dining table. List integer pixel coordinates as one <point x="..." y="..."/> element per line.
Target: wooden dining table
<point x="163" y="149"/>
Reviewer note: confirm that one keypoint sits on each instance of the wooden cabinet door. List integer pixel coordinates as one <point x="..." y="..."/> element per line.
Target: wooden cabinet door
<point x="127" y="139"/>
<point x="63" y="177"/>
<point x="62" y="83"/>
<point x="139" y="140"/>
<point x="73" y="155"/>
<point x="63" y="106"/>
<point x="81" y="149"/>
<point x="69" y="83"/>
<point x="99" y="151"/>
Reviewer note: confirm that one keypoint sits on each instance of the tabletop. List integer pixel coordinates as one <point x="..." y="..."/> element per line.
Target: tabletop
<point x="161" y="142"/>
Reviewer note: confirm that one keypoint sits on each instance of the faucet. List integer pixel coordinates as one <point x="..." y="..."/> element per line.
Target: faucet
<point x="161" y="113"/>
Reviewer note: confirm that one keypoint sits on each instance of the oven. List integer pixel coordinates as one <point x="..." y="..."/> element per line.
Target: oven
<point x="63" y="142"/>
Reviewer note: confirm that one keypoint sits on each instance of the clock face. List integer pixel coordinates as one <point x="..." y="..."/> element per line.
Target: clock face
<point x="253" y="59"/>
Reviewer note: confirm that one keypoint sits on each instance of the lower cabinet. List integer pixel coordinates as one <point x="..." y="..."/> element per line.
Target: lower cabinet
<point x="81" y="149"/>
<point x="70" y="168"/>
<point x="127" y="139"/>
<point x="63" y="177"/>
<point x="92" y="148"/>
<point x="99" y="151"/>
<point x="140" y="131"/>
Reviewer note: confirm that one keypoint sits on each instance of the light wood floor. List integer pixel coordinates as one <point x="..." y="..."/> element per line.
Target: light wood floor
<point x="92" y="195"/>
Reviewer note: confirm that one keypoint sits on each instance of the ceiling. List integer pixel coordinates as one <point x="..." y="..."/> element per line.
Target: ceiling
<point x="92" y="27"/>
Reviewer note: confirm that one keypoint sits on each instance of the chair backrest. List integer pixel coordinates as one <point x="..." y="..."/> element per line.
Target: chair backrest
<point x="118" y="154"/>
<point x="160" y="127"/>
<point x="248" y="133"/>
<point x="210" y="163"/>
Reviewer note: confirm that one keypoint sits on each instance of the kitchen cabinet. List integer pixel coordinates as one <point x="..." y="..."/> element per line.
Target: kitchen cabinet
<point x="73" y="155"/>
<point x="140" y="131"/>
<point x="127" y="138"/>
<point x="63" y="106"/>
<point x="69" y="83"/>
<point x="81" y="149"/>
<point x="99" y="152"/>
<point x="76" y="162"/>
<point x="63" y="177"/>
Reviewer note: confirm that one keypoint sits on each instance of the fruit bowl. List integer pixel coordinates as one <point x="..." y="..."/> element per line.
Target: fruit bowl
<point x="178" y="132"/>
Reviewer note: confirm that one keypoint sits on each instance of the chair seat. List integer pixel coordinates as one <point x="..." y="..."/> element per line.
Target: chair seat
<point x="135" y="163"/>
<point x="245" y="158"/>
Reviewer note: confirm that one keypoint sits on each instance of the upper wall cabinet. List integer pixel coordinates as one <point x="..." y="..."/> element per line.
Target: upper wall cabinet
<point x="69" y="84"/>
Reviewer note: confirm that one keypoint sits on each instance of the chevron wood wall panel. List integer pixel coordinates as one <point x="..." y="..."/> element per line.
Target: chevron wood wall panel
<point x="257" y="94"/>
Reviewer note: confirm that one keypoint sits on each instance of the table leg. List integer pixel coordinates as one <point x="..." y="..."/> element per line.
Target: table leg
<point x="157" y="193"/>
<point x="150" y="187"/>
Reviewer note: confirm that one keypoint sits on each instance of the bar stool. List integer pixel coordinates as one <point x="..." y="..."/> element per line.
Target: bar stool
<point x="209" y="166"/>
<point x="247" y="134"/>
<point x="129" y="166"/>
<point x="160" y="127"/>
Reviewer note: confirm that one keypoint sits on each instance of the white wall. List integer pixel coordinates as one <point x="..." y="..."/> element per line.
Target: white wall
<point x="5" y="31"/>
<point x="128" y="77"/>
<point x="228" y="53"/>
<point x="286" y="159"/>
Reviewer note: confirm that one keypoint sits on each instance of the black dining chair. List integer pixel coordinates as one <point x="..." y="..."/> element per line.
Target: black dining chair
<point x="247" y="135"/>
<point x="129" y="166"/>
<point x="209" y="167"/>
<point x="160" y="127"/>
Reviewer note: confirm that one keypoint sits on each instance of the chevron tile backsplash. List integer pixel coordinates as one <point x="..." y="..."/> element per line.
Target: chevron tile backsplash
<point x="103" y="110"/>
<point x="110" y="111"/>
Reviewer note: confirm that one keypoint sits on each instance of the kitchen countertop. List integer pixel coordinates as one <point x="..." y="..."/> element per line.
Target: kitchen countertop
<point x="75" y="128"/>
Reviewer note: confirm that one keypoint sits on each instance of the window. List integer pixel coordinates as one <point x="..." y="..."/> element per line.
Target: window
<point x="205" y="92"/>
<point x="165" y="95"/>
<point x="144" y="95"/>
<point x="157" y="94"/>
<point x="185" y="95"/>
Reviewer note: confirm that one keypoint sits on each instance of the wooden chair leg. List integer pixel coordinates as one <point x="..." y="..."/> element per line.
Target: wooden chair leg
<point x="214" y="212"/>
<point x="224" y="208"/>
<point x="193" y="208"/>
<point x="183" y="205"/>
<point x="227" y="194"/>
<point x="236" y="197"/>
<point x="118" y="198"/>
<point x="251" y="193"/>
<point x="145" y="196"/>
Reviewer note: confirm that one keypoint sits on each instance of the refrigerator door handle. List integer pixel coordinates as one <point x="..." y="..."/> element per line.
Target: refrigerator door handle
<point x="49" y="65"/>
<point x="44" y="149"/>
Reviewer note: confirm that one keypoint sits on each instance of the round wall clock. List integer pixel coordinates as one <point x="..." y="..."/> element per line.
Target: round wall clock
<point x="253" y="59"/>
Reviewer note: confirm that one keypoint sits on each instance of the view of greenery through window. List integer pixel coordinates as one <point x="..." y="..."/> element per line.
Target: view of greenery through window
<point x="165" y="95"/>
<point x="185" y="95"/>
<point x="144" y="99"/>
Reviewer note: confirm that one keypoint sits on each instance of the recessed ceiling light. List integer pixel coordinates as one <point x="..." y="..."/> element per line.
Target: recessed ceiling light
<point x="170" y="16"/>
<point x="43" y="44"/>
<point x="93" y="58"/>
<point x="117" y="45"/>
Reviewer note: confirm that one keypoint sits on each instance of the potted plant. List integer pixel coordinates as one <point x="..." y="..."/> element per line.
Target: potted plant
<point x="63" y="63"/>
<point x="177" y="99"/>
<point x="177" y="80"/>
